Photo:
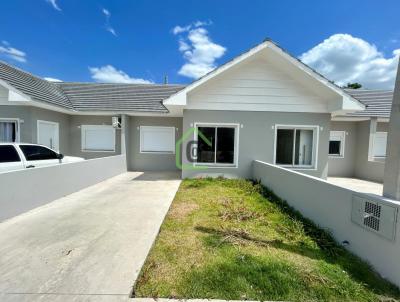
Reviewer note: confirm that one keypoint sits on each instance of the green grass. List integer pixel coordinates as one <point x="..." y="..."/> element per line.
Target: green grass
<point x="232" y="239"/>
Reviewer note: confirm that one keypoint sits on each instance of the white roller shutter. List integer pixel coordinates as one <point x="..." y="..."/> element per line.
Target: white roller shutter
<point x="157" y="139"/>
<point x="98" y="138"/>
<point x="380" y="141"/>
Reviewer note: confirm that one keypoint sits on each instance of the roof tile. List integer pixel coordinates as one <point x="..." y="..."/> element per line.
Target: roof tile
<point x="378" y="102"/>
<point x="142" y="97"/>
<point x="89" y="96"/>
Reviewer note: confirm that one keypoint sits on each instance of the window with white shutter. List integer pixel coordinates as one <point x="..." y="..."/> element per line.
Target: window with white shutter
<point x="98" y="138"/>
<point x="155" y="139"/>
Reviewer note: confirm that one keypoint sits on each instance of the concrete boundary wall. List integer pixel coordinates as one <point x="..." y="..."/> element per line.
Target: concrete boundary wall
<point x="23" y="190"/>
<point x="330" y="207"/>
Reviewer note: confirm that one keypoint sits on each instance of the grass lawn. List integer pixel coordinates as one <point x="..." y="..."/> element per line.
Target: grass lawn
<point x="231" y="239"/>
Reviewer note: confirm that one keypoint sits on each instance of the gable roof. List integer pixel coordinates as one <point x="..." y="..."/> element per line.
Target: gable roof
<point x="86" y="97"/>
<point x="348" y="100"/>
<point x="378" y="103"/>
<point x="33" y="87"/>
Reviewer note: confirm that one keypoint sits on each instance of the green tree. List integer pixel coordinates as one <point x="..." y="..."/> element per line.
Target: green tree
<point x="353" y="85"/>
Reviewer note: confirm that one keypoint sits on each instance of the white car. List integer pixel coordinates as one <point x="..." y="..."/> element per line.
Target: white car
<point x="18" y="156"/>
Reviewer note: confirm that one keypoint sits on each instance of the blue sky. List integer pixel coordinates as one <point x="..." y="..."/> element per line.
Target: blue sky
<point x="134" y="40"/>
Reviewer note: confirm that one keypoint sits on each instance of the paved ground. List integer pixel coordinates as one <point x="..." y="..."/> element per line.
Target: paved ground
<point x="88" y="246"/>
<point x="127" y="299"/>
<point x="357" y="185"/>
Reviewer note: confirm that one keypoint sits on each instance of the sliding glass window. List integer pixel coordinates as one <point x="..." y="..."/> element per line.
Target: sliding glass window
<point x="220" y="147"/>
<point x="295" y="147"/>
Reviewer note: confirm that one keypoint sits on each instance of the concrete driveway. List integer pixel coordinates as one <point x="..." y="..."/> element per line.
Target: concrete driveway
<point x="89" y="245"/>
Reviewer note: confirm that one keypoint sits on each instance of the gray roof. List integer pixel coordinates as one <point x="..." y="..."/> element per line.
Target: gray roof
<point x="90" y="96"/>
<point x="142" y="97"/>
<point x="118" y="97"/>
<point x="378" y="102"/>
<point x="38" y="89"/>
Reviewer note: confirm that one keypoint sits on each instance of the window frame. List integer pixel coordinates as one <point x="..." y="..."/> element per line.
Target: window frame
<point x="155" y="152"/>
<point x="236" y="127"/>
<point x="83" y="135"/>
<point x="341" y="133"/>
<point x="17" y="122"/>
<point x="314" y="155"/>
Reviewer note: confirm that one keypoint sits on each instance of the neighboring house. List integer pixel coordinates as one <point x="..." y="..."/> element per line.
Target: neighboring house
<point x="357" y="145"/>
<point x="264" y="104"/>
<point x="76" y="118"/>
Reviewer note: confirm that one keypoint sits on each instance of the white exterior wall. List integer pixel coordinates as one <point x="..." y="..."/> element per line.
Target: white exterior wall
<point x="372" y="170"/>
<point x="355" y="162"/>
<point x="258" y="84"/>
<point x="344" y="166"/>
<point x="329" y="206"/>
<point x="3" y="94"/>
<point x="23" y="190"/>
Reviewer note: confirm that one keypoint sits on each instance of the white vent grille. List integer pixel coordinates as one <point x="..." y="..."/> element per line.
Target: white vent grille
<point x="372" y="215"/>
<point x="375" y="216"/>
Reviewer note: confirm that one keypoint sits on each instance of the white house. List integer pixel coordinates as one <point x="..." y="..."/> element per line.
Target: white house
<point x="263" y="104"/>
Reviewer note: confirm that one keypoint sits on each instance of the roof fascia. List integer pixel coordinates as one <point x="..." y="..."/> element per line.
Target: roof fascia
<point x="349" y="103"/>
<point x="179" y="98"/>
<point x="357" y="119"/>
<point x="15" y="90"/>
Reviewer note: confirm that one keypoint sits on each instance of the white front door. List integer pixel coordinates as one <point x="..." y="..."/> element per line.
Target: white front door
<point x="47" y="134"/>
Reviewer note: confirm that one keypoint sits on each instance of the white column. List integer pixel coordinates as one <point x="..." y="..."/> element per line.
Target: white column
<point x="123" y="133"/>
<point x="125" y="138"/>
<point x="391" y="180"/>
<point x="373" y="123"/>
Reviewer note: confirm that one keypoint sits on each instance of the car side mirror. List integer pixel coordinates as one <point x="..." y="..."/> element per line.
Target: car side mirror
<point x="60" y="156"/>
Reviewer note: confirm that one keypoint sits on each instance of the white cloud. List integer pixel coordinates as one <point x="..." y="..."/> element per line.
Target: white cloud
<point x="202" y="23"/>
<point x="108" y="26"/>
<point x="112" y="31"/>
<point x="11" y="52"/>
<point x="344" y="58"/>
<point x="106" y="12"/>
<point x="183" y="46"/>
<point x="52" y="79"/>
<point x="198" y="50"/>
<point x="54" y="4"/>
<point x="181" y="29"/>
<point x="109" y="74"/>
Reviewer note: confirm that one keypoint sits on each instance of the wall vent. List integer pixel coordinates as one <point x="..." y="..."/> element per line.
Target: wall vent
<point x="375" y="216"/>
<point x="372" y="215"/>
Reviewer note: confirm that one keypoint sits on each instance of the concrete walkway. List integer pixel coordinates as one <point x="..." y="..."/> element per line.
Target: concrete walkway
<point x="358" y="185"/>
<point x="87" y="246"/>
